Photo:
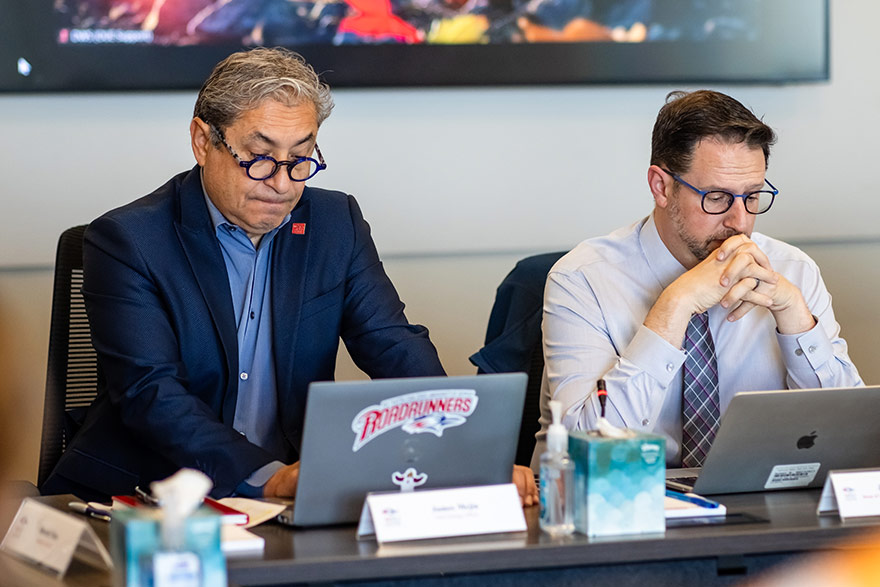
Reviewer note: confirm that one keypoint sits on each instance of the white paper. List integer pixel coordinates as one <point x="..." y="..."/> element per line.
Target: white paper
<point x="234" y="539"/>
<point x="852" y="493"/>
<point x="827" y="501"/>
<point x="677" y="508"/>
<point x="439" y="513"/>
<point x="51" y="538"/>
<point x="258" y="511"/>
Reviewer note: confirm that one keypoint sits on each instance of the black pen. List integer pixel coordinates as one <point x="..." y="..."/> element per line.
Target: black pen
<point x="87" y="510"/>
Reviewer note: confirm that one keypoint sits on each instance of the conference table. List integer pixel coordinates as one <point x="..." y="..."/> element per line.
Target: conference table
<point x="762" y="530"/>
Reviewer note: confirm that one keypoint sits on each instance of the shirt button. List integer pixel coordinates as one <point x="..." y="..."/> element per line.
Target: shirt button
<point x="798" y="352"/>
<point x="645" y="422"/>
<point x="812" y="349"/>
<point x="243" y="376"/>
<point x="670" y="367"/>
<point x="253" y="315"/>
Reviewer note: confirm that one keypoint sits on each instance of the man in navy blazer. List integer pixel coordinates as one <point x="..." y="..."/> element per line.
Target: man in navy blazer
<point x="215" y="300"/>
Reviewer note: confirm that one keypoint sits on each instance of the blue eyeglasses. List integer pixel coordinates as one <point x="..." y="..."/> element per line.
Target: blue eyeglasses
<point x="263" y="167"/>
<point x="719" y="201"/>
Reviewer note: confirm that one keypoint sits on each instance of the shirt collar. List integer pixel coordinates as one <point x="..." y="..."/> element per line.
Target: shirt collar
<point x="666" y="268"/>
<point x="219" y="220"/>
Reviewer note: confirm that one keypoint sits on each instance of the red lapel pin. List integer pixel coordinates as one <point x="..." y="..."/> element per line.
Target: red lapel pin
<point x="298" y="228"/>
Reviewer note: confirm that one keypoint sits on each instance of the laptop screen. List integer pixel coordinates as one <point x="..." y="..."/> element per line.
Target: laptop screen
<point x="790" y="439"/>
<point x="391" y="434"/>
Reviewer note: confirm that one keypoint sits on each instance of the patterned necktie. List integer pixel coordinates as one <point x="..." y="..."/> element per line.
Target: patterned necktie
<point x="699" y="406"/>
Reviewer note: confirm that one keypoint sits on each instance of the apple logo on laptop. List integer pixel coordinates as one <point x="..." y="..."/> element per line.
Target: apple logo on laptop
<point x="807" y="441"/>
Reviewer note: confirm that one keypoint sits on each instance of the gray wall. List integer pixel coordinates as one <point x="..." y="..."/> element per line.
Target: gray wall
<point x="456" y="183"/>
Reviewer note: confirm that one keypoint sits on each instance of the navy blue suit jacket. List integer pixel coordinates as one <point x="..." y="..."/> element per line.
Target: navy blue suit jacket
<point x="161" y="315"/>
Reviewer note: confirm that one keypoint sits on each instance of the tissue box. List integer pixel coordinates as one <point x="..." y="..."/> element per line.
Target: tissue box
<point x="619" y="483"/>
<point x="135" y="539"/>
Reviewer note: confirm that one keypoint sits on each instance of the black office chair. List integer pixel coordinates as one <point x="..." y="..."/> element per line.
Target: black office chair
<point x="72" y="373"/>
<point x="513" y="339"/>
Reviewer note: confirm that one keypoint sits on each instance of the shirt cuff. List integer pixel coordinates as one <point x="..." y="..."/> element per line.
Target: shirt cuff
<point x="653" y="354"/>
<point x="807" y="351"/>
<point x="253" y="485"/>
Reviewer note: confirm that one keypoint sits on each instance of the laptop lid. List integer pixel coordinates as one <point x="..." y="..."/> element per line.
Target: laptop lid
<point x="790" y="439"/>
<point x="427" y="432"/>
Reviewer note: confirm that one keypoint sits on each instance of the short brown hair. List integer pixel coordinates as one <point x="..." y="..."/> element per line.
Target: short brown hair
<point x="689" y="117"/>
<point x="245" y="79"/>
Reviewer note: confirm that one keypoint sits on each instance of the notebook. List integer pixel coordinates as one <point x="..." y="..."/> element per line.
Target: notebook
<point x="770" y="440"/>
<point x="384" y="434"/>
<point x="688" y="505"/>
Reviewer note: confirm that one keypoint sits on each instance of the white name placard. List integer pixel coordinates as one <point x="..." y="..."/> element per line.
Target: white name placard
<point x="852" y="493"/>
<point x="50" y="538"/>
<point x="439" y="513"/>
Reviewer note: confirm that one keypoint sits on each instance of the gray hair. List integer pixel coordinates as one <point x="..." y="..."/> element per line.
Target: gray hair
<point x="242" y="81"/>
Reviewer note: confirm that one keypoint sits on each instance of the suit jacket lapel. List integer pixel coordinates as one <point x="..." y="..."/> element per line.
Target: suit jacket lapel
<point x="199" y="243"/>
<point x="289" y="262"/>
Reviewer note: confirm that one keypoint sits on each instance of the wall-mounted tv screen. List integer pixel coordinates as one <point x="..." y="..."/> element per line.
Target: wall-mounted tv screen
<point x="74" y="45"/>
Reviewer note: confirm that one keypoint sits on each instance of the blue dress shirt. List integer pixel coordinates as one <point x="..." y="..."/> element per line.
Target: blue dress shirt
<point x="256" y="409"/>
<point x="595" y="303"/>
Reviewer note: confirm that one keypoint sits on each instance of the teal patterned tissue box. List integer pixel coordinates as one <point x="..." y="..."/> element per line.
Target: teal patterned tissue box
<point x="619" y="483"/>
<point x="135" y="545"/>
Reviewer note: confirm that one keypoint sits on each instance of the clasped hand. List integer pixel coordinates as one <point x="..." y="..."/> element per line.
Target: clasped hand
<point x="738" y="276"/>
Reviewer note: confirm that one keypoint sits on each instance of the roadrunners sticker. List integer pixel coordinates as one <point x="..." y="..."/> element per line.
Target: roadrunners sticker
<point x="423" y="411"/>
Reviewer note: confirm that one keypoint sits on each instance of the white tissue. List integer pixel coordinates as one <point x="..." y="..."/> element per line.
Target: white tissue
<point x="179" y="496"/>
<point x="609" y="430"/>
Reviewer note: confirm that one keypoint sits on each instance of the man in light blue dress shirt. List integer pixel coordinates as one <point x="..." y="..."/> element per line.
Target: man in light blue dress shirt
<point x="617" y="307"/>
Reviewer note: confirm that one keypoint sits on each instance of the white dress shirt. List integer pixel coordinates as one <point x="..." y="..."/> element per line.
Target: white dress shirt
<point x="595" y="303"/>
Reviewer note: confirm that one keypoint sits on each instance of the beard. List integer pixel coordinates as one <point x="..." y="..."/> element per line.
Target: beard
<point x="699" y="248"/>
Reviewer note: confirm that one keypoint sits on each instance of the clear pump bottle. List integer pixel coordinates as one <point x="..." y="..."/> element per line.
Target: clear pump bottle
<point x="557" y="479"/>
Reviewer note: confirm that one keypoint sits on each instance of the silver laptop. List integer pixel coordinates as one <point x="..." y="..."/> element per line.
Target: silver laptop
<point x="769" y="440"/>
<point x="386" y="434"/>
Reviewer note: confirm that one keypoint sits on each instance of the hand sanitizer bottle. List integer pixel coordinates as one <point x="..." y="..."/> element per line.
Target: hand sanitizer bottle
<point x="557" y="479"/>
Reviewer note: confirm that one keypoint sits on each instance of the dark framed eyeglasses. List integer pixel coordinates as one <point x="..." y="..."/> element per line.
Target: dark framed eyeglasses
<point x="719" y="201"/>
<point x="263" y="167"/>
